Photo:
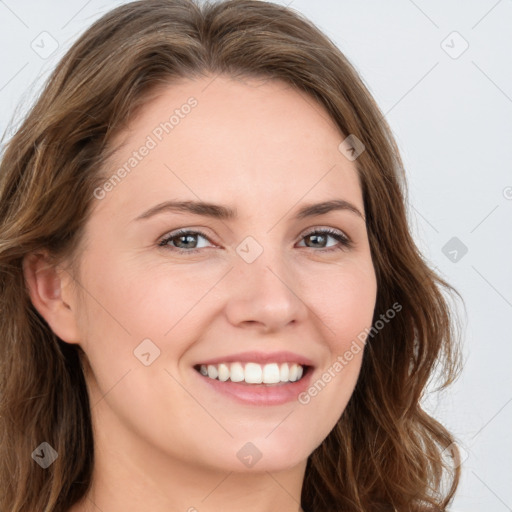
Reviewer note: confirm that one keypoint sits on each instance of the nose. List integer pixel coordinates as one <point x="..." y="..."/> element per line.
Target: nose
<point x="265" y="294"/>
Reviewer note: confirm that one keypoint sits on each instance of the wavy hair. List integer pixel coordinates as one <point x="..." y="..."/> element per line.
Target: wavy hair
<point x="385" y="453"/>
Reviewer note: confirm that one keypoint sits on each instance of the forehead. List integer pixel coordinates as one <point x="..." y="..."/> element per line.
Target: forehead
<point x="226" y="140"/>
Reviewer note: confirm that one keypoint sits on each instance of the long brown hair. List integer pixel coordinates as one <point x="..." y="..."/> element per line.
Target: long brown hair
<point x="385" y="452"/>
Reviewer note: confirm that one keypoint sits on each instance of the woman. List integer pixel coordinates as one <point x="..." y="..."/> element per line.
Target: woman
<point x="252" y="370"/>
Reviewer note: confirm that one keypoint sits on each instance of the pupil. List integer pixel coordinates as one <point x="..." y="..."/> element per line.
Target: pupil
<point x="316" y="237"/>
<point x="187" y="238"/>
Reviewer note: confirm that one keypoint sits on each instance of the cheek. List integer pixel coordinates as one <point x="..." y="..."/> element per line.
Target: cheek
<point x="345" y="304"/>
<point x="134" y="299"/>
<point x="346" y="308"/>
<point x="345" y="301"/>
<point x="127" y="303"/>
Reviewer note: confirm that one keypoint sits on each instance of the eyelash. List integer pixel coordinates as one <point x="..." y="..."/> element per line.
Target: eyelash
<point x="345" y="242"/>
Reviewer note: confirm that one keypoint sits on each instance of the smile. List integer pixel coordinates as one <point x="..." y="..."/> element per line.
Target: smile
<point x="253" y="373"/>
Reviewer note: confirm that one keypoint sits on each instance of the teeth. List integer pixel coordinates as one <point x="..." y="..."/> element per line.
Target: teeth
<point x="237" y="372"/>
<point x="253" y="373"/>
<point x="271" y="374"/>
<point x="284" y="372"/>
<point x="223" y="372"/>
<point x="293" y="373"/>
<point x="213" y="373"/>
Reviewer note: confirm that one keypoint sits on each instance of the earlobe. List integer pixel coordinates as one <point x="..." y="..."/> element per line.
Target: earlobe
<point x="45" y="285"/>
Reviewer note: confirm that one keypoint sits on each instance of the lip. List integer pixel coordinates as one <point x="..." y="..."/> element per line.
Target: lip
<point x="259" y="394"/>
<point x="260" y="358"/>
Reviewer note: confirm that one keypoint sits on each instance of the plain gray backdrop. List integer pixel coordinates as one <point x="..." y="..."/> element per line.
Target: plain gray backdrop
<point x="441" y="73"/>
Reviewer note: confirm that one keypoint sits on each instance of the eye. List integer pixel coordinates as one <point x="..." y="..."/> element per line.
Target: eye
<point x="186" y="236"/>
<point x="321" y="236"/>
<point x="186" y="244"/>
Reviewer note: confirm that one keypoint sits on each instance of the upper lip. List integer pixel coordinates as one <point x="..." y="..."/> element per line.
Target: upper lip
<point x="261" y="358"/>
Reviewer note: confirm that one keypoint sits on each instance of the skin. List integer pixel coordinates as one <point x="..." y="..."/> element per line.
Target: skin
<point x="163" y="440"/>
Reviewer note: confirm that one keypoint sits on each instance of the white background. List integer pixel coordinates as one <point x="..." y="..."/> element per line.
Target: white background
<point x="451" y="114"/>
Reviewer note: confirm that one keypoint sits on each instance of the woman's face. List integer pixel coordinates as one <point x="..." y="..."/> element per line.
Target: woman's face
<point x="262" y="286"/>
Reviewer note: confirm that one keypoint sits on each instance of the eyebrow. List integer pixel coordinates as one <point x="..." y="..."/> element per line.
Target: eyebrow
<point x="221" y="212"/>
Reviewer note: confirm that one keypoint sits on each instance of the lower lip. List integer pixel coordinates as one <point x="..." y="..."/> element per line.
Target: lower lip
<point x="260" y="394"/>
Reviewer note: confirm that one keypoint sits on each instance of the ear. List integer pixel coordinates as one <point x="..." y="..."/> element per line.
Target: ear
<point x="51" y="295"/>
